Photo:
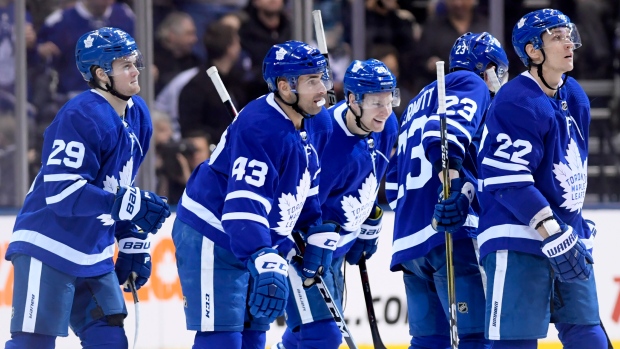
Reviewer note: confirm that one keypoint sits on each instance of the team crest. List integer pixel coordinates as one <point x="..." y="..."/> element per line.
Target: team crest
<point x="290" y="206"/>
<point x="88" y="42"/>
<point x="357" y="209"/>
<point x="521" y="23"/>
<point x="280" y="54"/>
<point x="462" y="307"/>
<point x="573" y="177"/>
<point x="111" y="185"/>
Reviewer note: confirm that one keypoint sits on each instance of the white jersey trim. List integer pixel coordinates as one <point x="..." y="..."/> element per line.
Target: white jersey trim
<point x="504" y="166"/>
<point x="207" y="267"/>
<point x="509" y="179"/>
<point x="61" y="177"/>
<point x="32" y="296"/>
<point x="246" y="194"/>
<point x="201" y="211"/>
<point x="60" y="249"/>
<point x="426" y="233"/>
<point x="508" y="231"/>
<point x="301" y="298"/>
<point x="437" y="134"/>
<point x="454" y="124"/>
<point x="501" y="265"/>
<point x="313" y="191"/>
<point x="340" y="118"/>
<point x="245" y="216"/>
<point x="66" y="192"/>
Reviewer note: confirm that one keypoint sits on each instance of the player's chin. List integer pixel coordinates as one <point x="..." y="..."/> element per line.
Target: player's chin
<point x="377" y="125"/>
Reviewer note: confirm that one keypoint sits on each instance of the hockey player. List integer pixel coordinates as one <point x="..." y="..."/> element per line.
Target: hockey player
<point x="260" y="184"/>
<point x="413" y="179"/>
<point x="63" y="240"/>
<point x="357" y="155"/>
<point x="533" y="177"/>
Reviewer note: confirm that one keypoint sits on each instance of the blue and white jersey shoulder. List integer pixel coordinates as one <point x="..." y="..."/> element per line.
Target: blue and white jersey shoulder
<point x="536" y="144"/>
<point x="351" y="172"/>
<point x="88" y="152"/>
<point x="262" y="175"/>
<point x="411" y="186"/>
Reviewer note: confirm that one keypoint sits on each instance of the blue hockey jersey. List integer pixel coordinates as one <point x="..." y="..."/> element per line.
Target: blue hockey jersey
<point x="411" y="184"/>
<point x="351" y="173"/>
<point x="534" y="154"/>
<point x="88" y="152"/>
<point x="65" y="27"/>
<point x="261" y="182"/>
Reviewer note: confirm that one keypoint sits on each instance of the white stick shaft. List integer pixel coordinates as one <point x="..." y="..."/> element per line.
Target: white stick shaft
<point x="218" y="83"/>
<point x="441" y="87"/>
<point x="319" y="31"/>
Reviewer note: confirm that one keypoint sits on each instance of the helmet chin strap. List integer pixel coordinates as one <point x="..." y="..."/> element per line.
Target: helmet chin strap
<point x="358" y="120"/>
<point x="539" y="67"/>
<point x="110" y="88"/>
<point x="295" y="105"/>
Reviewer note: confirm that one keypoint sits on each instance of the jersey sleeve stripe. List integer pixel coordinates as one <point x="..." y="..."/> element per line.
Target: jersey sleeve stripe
<point x="401" y="193"/>
<point x="246" y="194"/>
<point x="66" y="192"/>
<point x="201" y="211"/>
<point x="245" y="216"/>
<point x="504" y="166"/>
<point x="421" y="236"/>
<point x="451" y="137"/>
<point x="60" y="249"/>
<point x="391" y="186"/>
<point x="313" y="191"/>
<point x="62" y="177"/>
<point x="454" y="124"/>
<point x="508" y="179"/>
<point x="508" y="230"/>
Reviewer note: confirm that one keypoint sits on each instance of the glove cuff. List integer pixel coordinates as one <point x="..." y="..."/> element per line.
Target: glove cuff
<point x="268" y="260"/>
<point x="326" y="240"/>
<point x="134" y="245"/>
<point x="130" y="204"/>
<point x="560" y="244"/>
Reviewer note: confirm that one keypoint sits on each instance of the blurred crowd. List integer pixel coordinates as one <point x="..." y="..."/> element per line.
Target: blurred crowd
<point x="234" y="36"/>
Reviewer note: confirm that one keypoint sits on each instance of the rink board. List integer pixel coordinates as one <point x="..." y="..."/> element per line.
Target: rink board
<point x="161" y="306"/>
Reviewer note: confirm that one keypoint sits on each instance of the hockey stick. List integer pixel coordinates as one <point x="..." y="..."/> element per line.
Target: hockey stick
<point x="493" y="79"/>
<point x="370" y="308"/>
<point x="320" y="39"/>
<point x="327" y="297"/>
<point x="131" y="283"/>
<point x="221" y="90"/>
<point x="441" y="97"/>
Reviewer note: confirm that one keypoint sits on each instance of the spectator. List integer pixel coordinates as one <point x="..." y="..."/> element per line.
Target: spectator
<point x="440" y="33"/>
<point x="266" y="26"/>
<point x="173" y="54"/>
<point x="63" y="28"/>
<point x="200" y="107"/>
<point x="7" y="161"/>
<point x="205" y="12"/>
<point x="7" y="45"/>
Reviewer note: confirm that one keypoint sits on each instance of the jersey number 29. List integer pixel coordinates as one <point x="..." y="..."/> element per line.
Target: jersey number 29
<point x="74" y="152"/>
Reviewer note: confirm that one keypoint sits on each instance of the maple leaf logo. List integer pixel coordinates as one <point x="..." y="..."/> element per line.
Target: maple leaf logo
<point x="88" y="42"/>
<point x="290" y="206"/>
<point x="356" y="210"/>
<point x="280" y="54"/>
<point x="573" y="177"/>
<point x="111" y="184"/>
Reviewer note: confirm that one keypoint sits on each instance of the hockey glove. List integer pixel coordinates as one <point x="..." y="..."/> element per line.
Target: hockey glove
<point x="268" y="284"/>
<point x="451" y="214"/>
<point x="143" y="208"/>
<point x="322" y="240"/>
<point x="568" y="256"/>
<point x="366" y="242"/>
<point x="133" y="257"/>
